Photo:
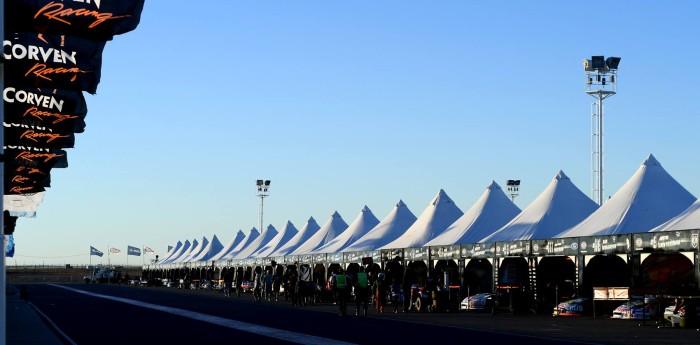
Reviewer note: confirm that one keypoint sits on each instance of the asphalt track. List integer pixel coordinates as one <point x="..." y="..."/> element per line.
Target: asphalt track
<point x="112" y="314"/>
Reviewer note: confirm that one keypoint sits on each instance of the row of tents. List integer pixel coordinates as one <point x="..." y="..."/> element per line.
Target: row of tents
<point x="651" y="200"/>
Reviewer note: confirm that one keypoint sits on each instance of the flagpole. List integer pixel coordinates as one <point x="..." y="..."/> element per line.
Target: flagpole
<point x="3" y="297"/>
<point x="109" y="259"/>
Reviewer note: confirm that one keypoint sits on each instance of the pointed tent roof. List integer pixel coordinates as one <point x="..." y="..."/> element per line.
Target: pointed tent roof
<point x="185" y="246"/>
<point x="284" y="235"/>
<point x="268" y="234"/>
<point x="171" y="252"/>
<point x="390" y="228"/>
<point x="440" y="213"/>
<point x="364" y="222"/>
<point x="252" y="235"/>
<point x="309" y="229"/>
<point x="186" y="254"/>
<point x="197" y="250"/>
<point x="212" y="248"/>
<point x="328" y="231"/>
<point x="560" y="206"/>
<point x="490" y="212"/>
<point x="650" y="197"/>
<point x="688" y="219"/>
<point x="230" y="246"/>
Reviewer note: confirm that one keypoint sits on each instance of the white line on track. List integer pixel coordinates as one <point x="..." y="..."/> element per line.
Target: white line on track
<point x="294" y="337"/>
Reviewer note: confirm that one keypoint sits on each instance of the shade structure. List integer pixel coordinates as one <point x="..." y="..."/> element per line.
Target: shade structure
<point x="268" y="234"/>
<point x="560" y="206"/>
<point x="283" y="236"/>
<point x="212" y="248"/>
<point x="172" y="251"/>
<point x="363" y="223"/>
<point x="399" y="219"/>
<point x="252" y="235"/>
<point x="230" y="246"/>
<point x="490" y="212"/>
<point x="185" y="247"/>
<point x="186" y="254"/>
<point x="197" y="250"/>
<point x="687" y="220"/>
<point x="648" y="199"/>
<point x="328" y="231"/>
<point x="440" y="213"/>
<point x="309" y="229"/>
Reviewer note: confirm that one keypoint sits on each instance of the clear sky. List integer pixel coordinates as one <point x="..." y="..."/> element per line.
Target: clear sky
<point x="343" y="104"/>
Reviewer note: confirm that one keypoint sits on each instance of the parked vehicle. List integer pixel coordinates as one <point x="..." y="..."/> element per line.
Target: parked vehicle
<point x="479" y="301"/>
<point x="637" y="310"/>
<point x="574" y="307"/>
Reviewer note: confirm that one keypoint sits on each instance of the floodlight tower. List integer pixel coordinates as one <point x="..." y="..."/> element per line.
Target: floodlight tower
<point x="513" y="188"/>
<point x="601" y="83"/>
<point x="263" y="190"/>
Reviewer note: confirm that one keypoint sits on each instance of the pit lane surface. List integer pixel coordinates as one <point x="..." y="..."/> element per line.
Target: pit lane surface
<point x="111" y="314"/>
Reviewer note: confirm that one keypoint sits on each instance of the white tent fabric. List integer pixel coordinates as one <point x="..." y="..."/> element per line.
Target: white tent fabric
<point x="328" y="231"/>
<point x="490" y="212"/>
<point x="440" y="213"/>
<point x="284" y="235"/>
<point x="268" y="234"/>
<point x="171" y="252"/>
<point x="687" y="220"/>
<point x="364" y="222"/>
<point x="252" y="235"/>
<point x="649" y="198"/>
<point x="185" y="247"/>
<point x="309" y="229"/>
<point x="390" y="228"/>
<point x="212" y="248"/>
<point x="560" y="206"/>
<point x="186" y="254"/>
<point x="197" y="250"/>
<point x="230" y="246"/>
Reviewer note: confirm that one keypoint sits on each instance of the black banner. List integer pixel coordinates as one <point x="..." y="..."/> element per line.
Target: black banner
<point x="97" y="20"/>
<point x="34" y="157"/>
<point x="58" y="110"/>
<point x="52" y="61"/>
<point x="23" y="180"/>
<point x="16" y="134"/>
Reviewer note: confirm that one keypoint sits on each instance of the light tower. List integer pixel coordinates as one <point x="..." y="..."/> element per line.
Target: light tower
<point x="513" y="188"/>
<point x="601" y="83"/>
<point x="263" y="190"/>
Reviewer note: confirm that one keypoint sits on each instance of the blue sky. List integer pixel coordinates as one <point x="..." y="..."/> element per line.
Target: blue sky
<point x="345" y="104"/>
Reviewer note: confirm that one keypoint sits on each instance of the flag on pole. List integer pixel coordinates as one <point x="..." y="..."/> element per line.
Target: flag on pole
<point x="114" y="250"/>
<point x="133" y="251"/>
<point x="169" y="249"/>
<point x="94" y="251"/>
<point x="147" y="250"/>
<point x="10" y="249"/>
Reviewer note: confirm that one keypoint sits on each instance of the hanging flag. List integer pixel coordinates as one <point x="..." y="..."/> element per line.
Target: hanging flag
<point x="58" y="110"/>
<point x="23" y="205"/>
<point x="114" y="250"/>
<point x="36" y="157"/>
<point x="52" y="61"/>
<point x="10" y="249"/>
<point x="169" y="249"/>
<point x="133" y="251"/>
<point x="39" y="136"/>
<point x="96" y="20"/>
<point x="147" y="250"/>
<point x="94" y="251"/>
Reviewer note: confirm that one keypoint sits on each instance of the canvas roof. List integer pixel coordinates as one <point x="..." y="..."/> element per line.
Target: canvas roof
<point x="687" y="220"/>
<point x="440" y="213"/>
<point x="212" y="248"/>
<point x="283" y="236"/>
<point x="230" y="246"/>
<point x="310" y="228"/>
<point x="185" y="247"/>
<point x="328" y="231"/>
<point x="399" y="219"/>
<point x="268" y="234"/>
<point x="196" y="245"/>
<point x="490" y="212"/>
<point x="252" y="235"/>
<point x="171" y="251"/>
<point x="363" y="223"/>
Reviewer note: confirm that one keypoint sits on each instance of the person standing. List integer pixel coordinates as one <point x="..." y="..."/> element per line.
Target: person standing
<point x="228" y="281"/>
<point x="257" y="286"/>
<point x="361" y="293"/>
<point x="380" y="289"/>
<point x="395" y="294"/>
<point x="341" y="289"/>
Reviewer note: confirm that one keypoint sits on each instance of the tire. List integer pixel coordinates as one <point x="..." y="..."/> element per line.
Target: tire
<point x="419" y="304"/>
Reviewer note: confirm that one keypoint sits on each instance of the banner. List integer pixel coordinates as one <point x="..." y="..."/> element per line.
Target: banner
<point x="97" y="19"/>
<point x="58" y="110"/>
<point x="35" y="157"/>
<point x="114" y="250"/>
<point x="147" y="250"/>
<point x="133" y="251"/>
<point x="22" y="205"/>
<point x="10" y="249"/>
<point x="24" y="180"/>
<point x="94" y="251"/>
<point x="52" y="61"/>
<point x="17" y="134"/>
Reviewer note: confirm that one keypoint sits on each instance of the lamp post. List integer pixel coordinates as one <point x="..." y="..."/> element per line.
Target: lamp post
<point x="513" y="188"/>
<point x="263" y="190"/>
<point x="601" y="83"/>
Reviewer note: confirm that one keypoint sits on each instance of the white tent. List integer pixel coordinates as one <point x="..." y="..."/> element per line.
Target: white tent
<point x="230" y="246"/>
<point x="490" y="212"/>
<point x="284" y="235"/>
<point x="171" y="251"/>
<point x="212" y="248"/>
<point x="364" y="222"/>
<point x="196" y="246"/>
<point x="649" y="198"/>
<point x="688" y="219"/>
<point x="308" y="230"/>
<point x="185" y="247"/>
<point x="268" y="234"/>
<point x="328" y="231"/>
<point x="560" y="206"/>
<point x="197" y="250"/>
<point x="440" y="213"/>
<point x="252" y="235"/>
<point x="390" y="228"/>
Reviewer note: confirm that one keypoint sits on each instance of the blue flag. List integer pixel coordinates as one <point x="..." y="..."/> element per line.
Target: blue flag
<point x="94" y="251"/>
<point x="133" y="251"/>
<point x="10" y="249"/>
